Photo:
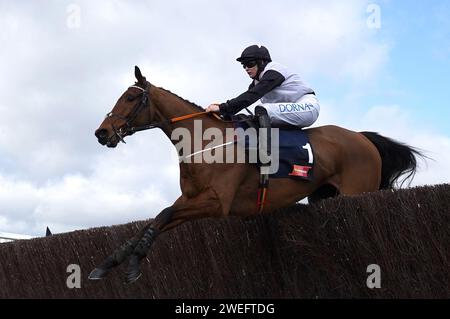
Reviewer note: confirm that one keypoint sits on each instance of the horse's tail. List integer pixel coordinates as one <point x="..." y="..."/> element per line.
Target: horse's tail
<point x="397" y="159"/>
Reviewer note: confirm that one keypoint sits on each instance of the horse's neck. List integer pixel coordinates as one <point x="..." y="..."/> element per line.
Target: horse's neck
<point x="170" y="105"/>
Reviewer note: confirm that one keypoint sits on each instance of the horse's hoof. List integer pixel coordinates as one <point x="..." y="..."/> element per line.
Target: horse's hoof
<point x="133" y="277"/>
<point x="98" y="273"/>
<point x="133" y="272"/>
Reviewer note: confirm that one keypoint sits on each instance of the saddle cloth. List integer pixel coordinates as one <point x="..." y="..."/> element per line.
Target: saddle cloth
<point x="295" y="153"/>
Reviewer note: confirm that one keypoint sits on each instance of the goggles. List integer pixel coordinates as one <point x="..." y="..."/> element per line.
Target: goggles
<point x="249" y="64"/>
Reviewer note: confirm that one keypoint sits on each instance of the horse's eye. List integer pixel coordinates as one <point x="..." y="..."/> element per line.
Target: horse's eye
<point x="130" y="98"/>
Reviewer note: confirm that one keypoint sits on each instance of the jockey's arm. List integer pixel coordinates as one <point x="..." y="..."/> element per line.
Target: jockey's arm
<point x="270" y="80"/>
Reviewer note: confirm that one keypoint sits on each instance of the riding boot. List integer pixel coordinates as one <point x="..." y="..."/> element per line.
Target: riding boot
<point x="265" y="150"/>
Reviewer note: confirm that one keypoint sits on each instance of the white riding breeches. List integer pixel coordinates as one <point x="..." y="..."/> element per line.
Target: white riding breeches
<point x="302" y="113"/>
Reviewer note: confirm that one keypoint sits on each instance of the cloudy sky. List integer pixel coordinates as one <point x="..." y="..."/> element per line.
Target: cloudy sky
<point x="382" y="66"/>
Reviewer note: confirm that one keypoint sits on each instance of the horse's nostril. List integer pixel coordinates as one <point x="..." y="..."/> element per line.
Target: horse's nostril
<point x="101" y="133"/>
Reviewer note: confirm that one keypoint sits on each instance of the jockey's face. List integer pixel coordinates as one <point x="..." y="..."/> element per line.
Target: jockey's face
<point x="251" y="69"/>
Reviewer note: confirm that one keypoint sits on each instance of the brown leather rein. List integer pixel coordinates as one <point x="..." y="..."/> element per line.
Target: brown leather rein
<point x="145" y="100"/>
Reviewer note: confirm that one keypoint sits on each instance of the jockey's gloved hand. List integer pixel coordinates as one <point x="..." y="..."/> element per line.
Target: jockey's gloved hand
<point x="213" y="108"/>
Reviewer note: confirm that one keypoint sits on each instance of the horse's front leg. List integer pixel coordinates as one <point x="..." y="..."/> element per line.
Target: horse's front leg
<point x="124" y="251"/>
<point x="206" y="204"/>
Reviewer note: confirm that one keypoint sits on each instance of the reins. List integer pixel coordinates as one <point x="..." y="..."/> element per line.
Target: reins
<point x="161" y="124"/>
<point x="171" y="121"/>
<point x="145" y="101"/>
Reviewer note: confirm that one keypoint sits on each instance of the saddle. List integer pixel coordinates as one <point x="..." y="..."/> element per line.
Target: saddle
<point x="295" y="153"/>
<point x="292" y="154"/>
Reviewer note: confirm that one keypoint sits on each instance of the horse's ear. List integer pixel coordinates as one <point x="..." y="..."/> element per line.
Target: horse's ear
<point x="138" y="75"/>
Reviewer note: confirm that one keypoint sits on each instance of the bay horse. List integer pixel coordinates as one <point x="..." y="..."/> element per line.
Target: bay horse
<point x="346" y="163"/>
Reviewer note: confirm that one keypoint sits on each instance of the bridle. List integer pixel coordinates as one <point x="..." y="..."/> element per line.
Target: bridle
<point x="129" y="129"/>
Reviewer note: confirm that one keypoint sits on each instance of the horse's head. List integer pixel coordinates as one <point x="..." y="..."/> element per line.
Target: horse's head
<point x="128" y="114"/>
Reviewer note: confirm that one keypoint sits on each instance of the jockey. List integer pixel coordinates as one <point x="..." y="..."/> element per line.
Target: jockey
<point x="286" y="98"/>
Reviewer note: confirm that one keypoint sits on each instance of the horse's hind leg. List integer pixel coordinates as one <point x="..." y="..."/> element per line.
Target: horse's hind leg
<point x="204" y="204"/>
<point x="119" y="255"/>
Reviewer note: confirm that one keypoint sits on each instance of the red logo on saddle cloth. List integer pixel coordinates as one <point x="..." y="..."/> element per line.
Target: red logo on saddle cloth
<point x="301" y="171"/>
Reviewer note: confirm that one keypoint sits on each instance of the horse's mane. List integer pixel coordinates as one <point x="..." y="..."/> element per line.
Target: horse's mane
<point x="199" y="108"/>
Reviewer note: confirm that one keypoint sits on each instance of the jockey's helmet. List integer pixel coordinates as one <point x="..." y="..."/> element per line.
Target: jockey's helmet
<point x="255" y="52"/>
